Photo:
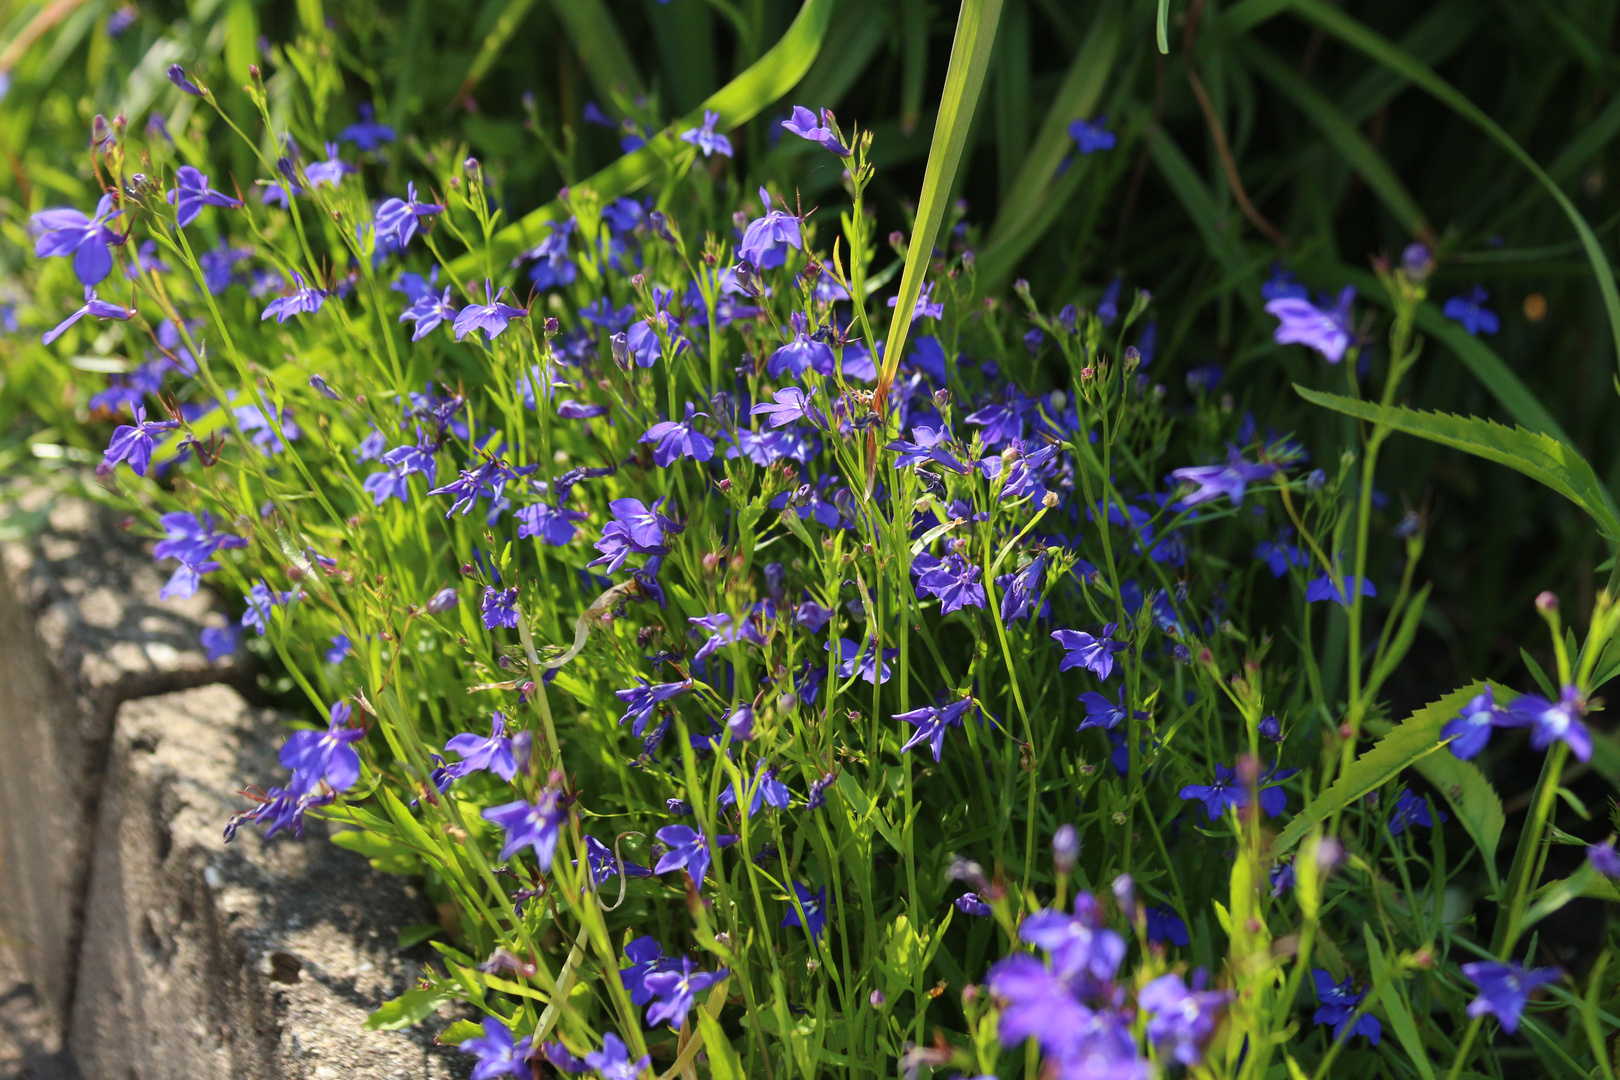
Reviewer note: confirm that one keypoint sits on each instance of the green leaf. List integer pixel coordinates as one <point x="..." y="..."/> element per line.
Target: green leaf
<point x="407" y="1010"/>
<point x="1586" y="881"/>
<point x="505" y="26"/>
<point x="724" y="1064"/>
<point x="1400" y="644"/>
<point x="1406" y="745"/>
<point x="1387" y="988"/>
<point x="600" y="46"/>
<point x="970" y="57"/>
<point x="1386" y="52"/>
<point x="1540" y="457"/>
<point x="459" y="1032"/>
<point x="416" y="933"/>
<point x="740" y="100"/>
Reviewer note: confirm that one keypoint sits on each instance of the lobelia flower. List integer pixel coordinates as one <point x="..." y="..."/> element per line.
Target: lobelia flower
<point x="1091" y="136"/>
<point x="677" y="991"/>
<point x="932" y="722"/>
<point x="428" y="311"/>
<point x="862" y="659"/>
<point x="603" y="863"/>
<point x="613" y="1062"/>
<point x="1282" y="286"/>
<point x="278" y="809"/>
<point x="554" y="524"/>
<point x="1552" y="721"/>
<point x="1163" y="924"/>
<point x="327" y="755"/>
<point x="499" y="607"/>
<point x="480" y="754"/>
<point x="497" y="1054"/>
<point x="1504" y="989"/>
<point x="1604" y="859"/>
<point x="1227" y="792"/>
<point x="400" y="218"/>
<point x="1409" y="810"/>
<point x="531" y="825"/>
<point x="1082" y="650"/>
<point x="1183" y="1020"/>
<point x="954" y="580"/>
<point x="220" y="641"/>
<point x="1338" y="1005"/>
<point x="492" y="316"/>
<point x="1471" y="311"/>
<point x="219" y="266"/>
<point x="640" y="701"/>
<point x="814" y="905"/>
<point x="191" y="193"/>
<point x="177" y="75"/>
<point x="926" y="307"/>
<point x="800" y="354"/>
<point x="1021" y="591"/>
<point x="677" y="439"/>
<point x="442" y="601"/>
<point x="93" y="305"/>
<point x="1301" y="322"/>
<point x="301" y="301"/>
<point x="394" y="483"/>
<point x="367" y="134"/>
<point x="789" y="405"/>
<point x="1326" y="588"/>
<point x="1102" y="713"/>
<point x="261" y="601"/>
<point x="767" y="791"/>
<point x="766" y="240"/>
<point x="341" y="648"/>
<point x="1279" y="555"/>
<point x="706" y="139"/>
<point x="331" y="171"/>
<point x="134" y="443"/>
<point x="646" y="958"/>
<point x="688" y="850"/>
<point x="1231" y="479"/>
<point x="1108" y="306"/>
<point x="564" y="1062"/>
<point x="970" y="904"/>
<point x="803" y="123"/>
<point x="1270" y="728"/>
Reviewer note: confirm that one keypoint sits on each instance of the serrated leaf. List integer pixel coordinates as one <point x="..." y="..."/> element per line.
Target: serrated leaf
<point x="1540" y="457"/>
<point x="407" y="1010"/>
<point x="1406" y="745"/>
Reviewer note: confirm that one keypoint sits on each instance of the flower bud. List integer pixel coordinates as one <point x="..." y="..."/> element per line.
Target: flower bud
<point x="1417" y="262"/>
<point x="1546" y="603"/>
<point x="1065" y="848"/>
<point x="1125" y="893"/>
<point x="620" y="345"/>
<point x="1316" y="480"/>
<point x="877" y="999"/>
<point x="1271" y="728"/>
<point x="442" y="601"/>
<point x="471" y="165"/>
<point x="1021" y="287"/>
<point x="1133" y="358"/>
<point x="552" y="326"/>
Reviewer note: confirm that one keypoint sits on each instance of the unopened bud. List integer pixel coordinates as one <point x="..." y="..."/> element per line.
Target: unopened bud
<point x="442" y="601"/>
<point x="877" y="999"/>
<point x="1546" y="603"/>
<point x="1125" y="893"/>
<point x="1065" y="848"/>
<point x="1417" y="262"/>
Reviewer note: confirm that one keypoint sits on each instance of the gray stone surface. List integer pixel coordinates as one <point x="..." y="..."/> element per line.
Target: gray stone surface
<point x="81" y="630"/>
<point x="253" y="959"/>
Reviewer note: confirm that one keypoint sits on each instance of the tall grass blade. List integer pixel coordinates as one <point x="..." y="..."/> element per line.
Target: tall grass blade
<point x="499" y="35"/>
<point x="600" y="46"/>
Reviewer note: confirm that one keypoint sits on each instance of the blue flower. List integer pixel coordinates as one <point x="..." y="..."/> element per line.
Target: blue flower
<point x="640" y="701"/>
<point x="862" y="659"/>
<point x="1504" y="989"/>
<point x="191" y="193"/>
<point x="499" y="607"/>
<point x="327" y="755"/>
<point x="341" y="647"/>
<point x="677" y="991"/>
<point x="766" y="240"/>
<point x="331" y="171"/>
<point x="1279" y="555"/>
<point x="1108" y="306"/>
<point x="1471" y="311"/>
<point x="932" y="722"/>
<point x="767" y="791"/>
<point x="1409" y="810"/>
<point x="1326" y="588"/>
<point x="1226" y="792"/>
<point x="93" y="305"/>
<point x="1282" y="286"/>
<point x="1021" y="591"/>
<point x="1163" y="924"/>
<point x="527" y="824"/>
<point x="926" y="307"/>
<point x="554" y="524"/>
<point x="1338" y="1005"/>
<point x="1183" y="1021"/>
<point x="278" y="809"/>
<point x="134" y="443"/>
<point x="480" y="754"/>
<point x="492" y="316"/>
<point x="1604" y="859"/>
<point x="800" y="354"/>
<point x="814" y="905"/>
<point x="1102" y="713"/>
<point x="954" y="580"/>
<point x="177" y="75"/>
<point x="220" y="641"/>
<point x="604" y="863"/>
<point x="219" y="265"/>
<point x="706" y="139"/>
<point x="428" y="311"/>
<point x="1082" y="650"/>
<point x="613" y="1062"/>
<point x="261" y="600"/>
<point x="1551" y="721"/>
<point x="646" y="958"/>
<point x="803" y="123"/>
<point x="393" y="482"/>
<point x="1231" y="479"/>
<point x="688" y="850"/>
<point x="367" y="134"/>
<point x="497" y="1054"/>
<point x="677" y="439"/>
<point x="927" y="445"/>
<point x="398" y="219"/>
<point x="788" y="405"/>
<point x="302" y="300"/>
<point x="1091" y="136"/>
<point x="1325" y="330"/>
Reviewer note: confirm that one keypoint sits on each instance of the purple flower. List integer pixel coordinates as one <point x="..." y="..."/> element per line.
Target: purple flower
<point x="1338" y="1005"/>
<point x="1183" y="1020"/>
<point x="640" y="701"/>
<point x="1279" y="555"/>
<point x="1082" y="650"/>
<point x="134" y="443"/>
<point x="646" y="526"/>
<point x="554" y="524"/>
<point x="932" y="722"/>
<point x="191" y="193"/>
<point x="327" y="755"/>
<point x="766" y="240"/>
<point x="677" y="439"/>
<point x="486" y="481"/>
<point x="970" y="904"/>
<point x="1091" y="136"/>
<point x="1163" y="924"/>
<point x="677" y="991"/>
<point x="1604" y="859"/>
<point x="1282" y="286"/>
<point x="220" y="641"/>
<point x="1471" y="311"/>
<point x="428" y="311"/>
<point x="177" y="75"/>
<point x="367" y="134"/>
<point x="499" y="607"/>
<point x="688" y="850"/>
<point x="800" y="354"/>
<point x="814" y="905"/>
<point x="479" y="754"/>
<point x="926" y="307"/>
<point x="613" y="1062"/>
<point x="278" y="809"/>
<point x="1325" y="588"/>
<point x="646" y="957"/>
<point x="1227" y="792"/>
<point x="93" y="305"/>
<point x="1231" y="479"/>
<point x="535" y="825"/>
<point x="341" y="648"/>
<point x="705" y="138"/>
<point x="331" y="171"/>
<point x="1409" y="810"/>
<point x="1270" y="728"/>
<point x="863" y="659"/>
<point x="788" y="405"/>
<point x="497" y="1054"/>
<point x="767" y="791"/>
<point x="261" y="601"/>
<point x="442" y="601"/>
<point x="219" y="265"/>
<point x="954" y="580"/>
<point x="1301" y="322"/>
<point x="491" y="317"/>
<point x="394" y="482"/>
<point x="803" y="124"/>
<point x="1504" y="989"/>
<point x="1105" y="714"/>
<point x="399" y="218"/>
<point x="301" y="301"/>
<point x="1108" y="306"/>
<point x="1021" y="591"/>
<point x="1550" y="721"/>
<point x="604" y="863"/>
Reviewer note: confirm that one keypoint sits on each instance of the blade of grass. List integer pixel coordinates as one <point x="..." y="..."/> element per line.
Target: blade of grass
<point x="1013" y="63"/>
<point x="740" y="100"/>
<point x="505" y="26"/>
<point x="970" y="57"/>
<point x="913" y="60"/>
<point x="1360" y="37"/>
<point x="859" y="31"/>
<point x="600" y="46"/>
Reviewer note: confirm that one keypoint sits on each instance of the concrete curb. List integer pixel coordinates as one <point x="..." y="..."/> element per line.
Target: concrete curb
<point x="134" y="943"/>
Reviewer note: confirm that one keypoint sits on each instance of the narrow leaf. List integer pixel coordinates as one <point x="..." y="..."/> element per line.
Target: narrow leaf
<point x="600" y="46"/>
<point x="407" y="1010"/>
<point x="1389" y="995"/>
